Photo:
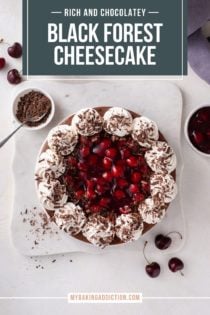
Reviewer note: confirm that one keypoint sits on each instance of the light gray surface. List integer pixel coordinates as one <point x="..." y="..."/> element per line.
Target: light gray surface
<point x="110" y="272"/>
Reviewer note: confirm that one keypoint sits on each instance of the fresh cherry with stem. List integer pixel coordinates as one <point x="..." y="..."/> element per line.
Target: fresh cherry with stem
<point x="175" y="264"/>
<point x="152" y="268"/>
<point x="15" y="50"/>
<point x="164" y="241"/>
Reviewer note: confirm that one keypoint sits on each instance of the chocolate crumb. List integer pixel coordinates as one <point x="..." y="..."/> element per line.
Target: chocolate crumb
<point x="54" y="260"/>
<point x="32" y="222"/>
<point x="39" y="226"/>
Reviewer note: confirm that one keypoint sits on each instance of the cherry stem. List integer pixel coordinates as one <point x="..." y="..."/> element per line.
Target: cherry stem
<point x="145" y="244"/>
<point x="175" y="232"/>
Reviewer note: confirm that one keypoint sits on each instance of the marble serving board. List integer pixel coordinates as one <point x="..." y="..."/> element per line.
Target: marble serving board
<point x="160" y="101"/>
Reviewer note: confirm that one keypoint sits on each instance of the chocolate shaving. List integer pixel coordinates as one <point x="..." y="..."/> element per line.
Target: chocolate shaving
<point x="31" y="105"/>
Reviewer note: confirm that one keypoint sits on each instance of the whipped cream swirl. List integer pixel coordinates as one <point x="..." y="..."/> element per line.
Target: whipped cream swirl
<point x="145" y="131"/>
<point x="62" y="139"/>
<point x="70" y="218"/>
<point x="52" y="194"/>
<point x="152" y="211"/>
<point x="118" y="121"/>
<point x="163" y="185"/>
<point x="50" y="165"/>
<point x="87" y="122"/>
<point x="99" y="230"/>
<point x="161" y="157"/>
<point x="129" y="227"/>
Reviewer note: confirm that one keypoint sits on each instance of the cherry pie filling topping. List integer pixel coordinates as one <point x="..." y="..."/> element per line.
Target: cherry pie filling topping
<point x="107" y="174"/>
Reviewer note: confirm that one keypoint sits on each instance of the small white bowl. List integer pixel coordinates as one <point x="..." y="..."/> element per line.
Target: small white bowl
<point x="24" y="92"/>
<point x="186" y="131"/>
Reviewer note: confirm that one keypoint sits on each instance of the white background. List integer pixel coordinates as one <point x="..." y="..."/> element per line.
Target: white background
<point x="110" y="272"/>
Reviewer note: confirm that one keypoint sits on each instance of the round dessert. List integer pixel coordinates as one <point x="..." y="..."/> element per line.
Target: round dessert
<point x="106" y="175"/>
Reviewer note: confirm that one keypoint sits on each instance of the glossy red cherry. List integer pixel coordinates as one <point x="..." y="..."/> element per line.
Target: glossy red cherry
<point x="119" y="194"/>
<point x="111" y="153"/>
<point x="93" y="159"/>
<point x="104" y="202"/>
<point x="90" y="193"/>
<point x="117" y="171"/>
<point x="198" y="137"/>
<point x="122" y="183"/>
<point x="83" y="175"/>
<point x="13" y="76"/>
<point x="132" y="161"/>
<point x="2" y="63"/>
<point x="107" y="163"/>
<point x="84" y="151"/>
<point x="162" y="242"/>
<point x="136" y="177"/>
<point x="133" y="188"/>
<point x="105" y="143"/>
<point x="15" y="50"/>
<point x="107" y="176"/>
<point x="152" y="268"/>
<point x="100" y="189"/>
<point x="82" y="166"/>
<point x="175" y="264"/>
<point x="90" y="183"/>
<point x="198" y="129"/>
<point x="79" y="194"/>
<point x="125" y="153"/>
<point x="203" y="115"/>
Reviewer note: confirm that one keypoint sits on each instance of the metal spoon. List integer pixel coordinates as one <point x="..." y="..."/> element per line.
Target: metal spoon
<point x="34" y="119"/>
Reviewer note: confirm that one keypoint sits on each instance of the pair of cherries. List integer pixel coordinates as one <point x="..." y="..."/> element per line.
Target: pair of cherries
<point x="14" y="51"/>
<point x="163" y="242"/>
